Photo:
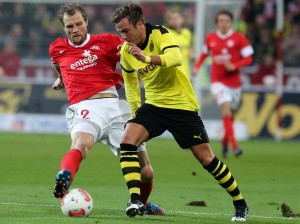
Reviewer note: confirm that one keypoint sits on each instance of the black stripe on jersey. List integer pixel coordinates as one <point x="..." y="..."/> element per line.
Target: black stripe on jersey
<point x="126" y="70"/>
<point x="149" y="28"/>
<point x="169" y="47"/>
<point x="162" y="29"/>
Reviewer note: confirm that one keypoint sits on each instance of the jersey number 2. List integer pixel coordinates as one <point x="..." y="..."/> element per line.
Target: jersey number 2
<point x="85" y="113"/>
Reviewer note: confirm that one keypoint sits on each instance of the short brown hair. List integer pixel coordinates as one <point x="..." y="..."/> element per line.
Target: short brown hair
<point x="132" y="11"/>
<point x="70" y="9"/>
<point x="224" y="12"/>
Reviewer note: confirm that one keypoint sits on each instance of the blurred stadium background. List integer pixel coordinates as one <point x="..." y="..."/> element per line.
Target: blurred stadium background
<point x="271" y="94"/>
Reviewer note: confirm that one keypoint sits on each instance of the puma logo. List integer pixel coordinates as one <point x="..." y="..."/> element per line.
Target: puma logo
<point x="198" y="136"/>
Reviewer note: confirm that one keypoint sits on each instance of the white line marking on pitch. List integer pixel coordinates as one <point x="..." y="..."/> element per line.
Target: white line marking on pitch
<point x="171" y="212"/>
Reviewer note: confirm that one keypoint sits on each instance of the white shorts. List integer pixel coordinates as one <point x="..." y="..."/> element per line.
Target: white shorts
<point x="224" y="94"/>
<point x="103" y="118"/>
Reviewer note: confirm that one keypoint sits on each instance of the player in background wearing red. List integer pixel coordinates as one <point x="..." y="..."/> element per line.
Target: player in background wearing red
<point x="85" y="64"/>
<point x="230" y="51"/>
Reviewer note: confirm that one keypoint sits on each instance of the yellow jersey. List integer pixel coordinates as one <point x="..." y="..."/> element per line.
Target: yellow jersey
<point x="184" y="41"/>
<point x="165" y="86"/>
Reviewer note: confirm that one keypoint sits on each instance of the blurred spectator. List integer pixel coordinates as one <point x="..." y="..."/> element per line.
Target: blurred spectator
<point x="265" y="43"/>
<point x="269" y="13"/>
<point x="16" y="32"/>
<point x="52" y="32"/>
<point x="266" y="72"/>
<point x="154" y="11"/>
<point x="9" y="60"/>
<point x="30" y="24"/>
<point x="292" y="7"/>
<point x="98" y="27"/>
<point x="19" y="13"/>
<point x="175" y="23"/>
<point x="91" y="11"/>
<point x="42" y="16"/>
<point x="292" y="47"/>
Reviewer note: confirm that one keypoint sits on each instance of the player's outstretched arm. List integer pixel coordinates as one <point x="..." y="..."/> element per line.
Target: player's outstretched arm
<point x="171" y="56"/>
<point x="58" y="84"/>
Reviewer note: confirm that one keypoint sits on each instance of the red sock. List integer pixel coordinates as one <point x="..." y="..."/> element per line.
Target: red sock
<point x="228" y="126"/>
<point x="71" y="161"/>
<point x="146" y="189"/>
<point x="225" y="139"/>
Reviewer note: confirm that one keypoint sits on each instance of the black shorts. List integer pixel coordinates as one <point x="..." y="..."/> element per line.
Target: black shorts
<point x="186" y="126"/>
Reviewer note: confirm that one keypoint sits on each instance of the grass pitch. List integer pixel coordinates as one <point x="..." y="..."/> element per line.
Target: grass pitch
<point x="268" y="175"/>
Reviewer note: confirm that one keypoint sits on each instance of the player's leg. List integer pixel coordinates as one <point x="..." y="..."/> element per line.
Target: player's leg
<point x="81" y="145"/>
<point x="146" y="175"/>
<point x="189" y="132"/>
<point x="204" y="154"/>
<point x="84" y="134"/>
<point x="227" y="117"/>
<point x="134" y="135"/>
<point x="118" y="114"/>
<point x="225" y="145"/>
<point x="223" y="96"/>
<point x="115" y="133"/>
<point x="222" y="174"/>
<point x="137" y="131"/>
<point x="236" y="94"/>
<point x="147" y="182"/>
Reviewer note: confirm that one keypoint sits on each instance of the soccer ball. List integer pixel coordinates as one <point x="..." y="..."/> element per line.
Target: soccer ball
<point x="77" y="203"/>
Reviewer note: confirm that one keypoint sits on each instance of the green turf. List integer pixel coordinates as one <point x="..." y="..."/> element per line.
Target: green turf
<point x="268" y="175"/>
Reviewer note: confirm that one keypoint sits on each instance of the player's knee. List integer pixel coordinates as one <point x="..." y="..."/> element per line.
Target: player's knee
<point x="203" y="153"/>
<point x="147" y="174"/>
<point x="226" y="110"/>
<point x="83" y="146"/>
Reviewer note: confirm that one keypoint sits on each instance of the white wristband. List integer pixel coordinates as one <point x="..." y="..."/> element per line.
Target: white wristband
<point x="147" y="59"/>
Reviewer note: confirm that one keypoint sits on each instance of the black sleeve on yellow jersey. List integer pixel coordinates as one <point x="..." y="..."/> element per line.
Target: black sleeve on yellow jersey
<point x="171" y="56"/>
<point x="162" y="29"/>
<point x="163" y="50"/>
<point x="126" y="69"/>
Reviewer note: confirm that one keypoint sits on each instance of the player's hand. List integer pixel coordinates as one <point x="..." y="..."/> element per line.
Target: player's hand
<point x="58" y="84"/>
<point x="119" y="49"/>
<point x="230" y="67"/>
<point x="136" y="52"/>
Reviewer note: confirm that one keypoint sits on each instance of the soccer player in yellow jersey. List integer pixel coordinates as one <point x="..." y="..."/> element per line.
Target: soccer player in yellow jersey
<point x="183" y="36"/>
<point x="151" y="53"/>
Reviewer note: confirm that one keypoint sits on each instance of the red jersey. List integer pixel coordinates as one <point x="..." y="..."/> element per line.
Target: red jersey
<point x="89" y="68"/>
<point x="232" y="47"/>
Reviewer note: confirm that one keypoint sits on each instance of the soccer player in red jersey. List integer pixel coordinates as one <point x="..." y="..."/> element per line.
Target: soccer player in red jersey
<point x="85" y="64"/>
<point x="229" y="50"/>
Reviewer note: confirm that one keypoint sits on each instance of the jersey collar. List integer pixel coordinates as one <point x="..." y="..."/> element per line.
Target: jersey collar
<point x="149" y="28"/>
<point x="88" y="37"/>
<point x="224" y="36"/>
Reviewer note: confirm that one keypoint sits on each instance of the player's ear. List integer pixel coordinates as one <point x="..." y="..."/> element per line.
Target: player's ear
<point x="87" y="21"/>
<point x="140" y="24"/>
